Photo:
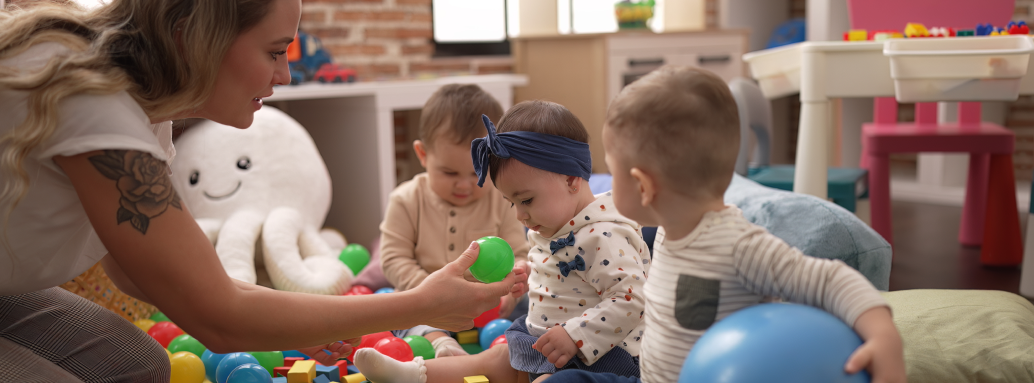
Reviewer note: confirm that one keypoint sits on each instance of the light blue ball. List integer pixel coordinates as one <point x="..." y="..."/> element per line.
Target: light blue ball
<point x="211" y="361"/>
<point x="384" y="290"/>
<point x="491" y="331"/>
<point x="774" y="343"/>
<point x="249" y="373"/>
<point x="230" y="362"/>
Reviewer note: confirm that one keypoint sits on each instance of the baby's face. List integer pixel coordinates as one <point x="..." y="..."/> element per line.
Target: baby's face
<point x="451" y="173"/>
<point x="625" y="188"/>
<point x="543" y="200"/>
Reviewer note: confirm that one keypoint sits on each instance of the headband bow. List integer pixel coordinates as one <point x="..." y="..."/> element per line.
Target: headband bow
<point x="548" y="152"/>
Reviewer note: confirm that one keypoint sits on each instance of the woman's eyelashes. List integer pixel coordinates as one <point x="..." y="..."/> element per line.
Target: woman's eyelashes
<point x="278" y="53"/>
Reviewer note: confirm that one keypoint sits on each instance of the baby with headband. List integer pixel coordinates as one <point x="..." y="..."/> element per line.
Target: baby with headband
<point x="587" y="264"/>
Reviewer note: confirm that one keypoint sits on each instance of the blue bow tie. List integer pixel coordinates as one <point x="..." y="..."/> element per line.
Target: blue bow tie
<point x="561" y="243"/>
<point x="577" y="264"/>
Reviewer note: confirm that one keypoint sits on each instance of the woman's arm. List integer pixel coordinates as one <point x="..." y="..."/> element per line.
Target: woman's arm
<point x="122" y="281"/>
<point x="160" y="249"/>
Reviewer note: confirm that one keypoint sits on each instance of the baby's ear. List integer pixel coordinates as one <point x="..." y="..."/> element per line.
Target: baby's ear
<point x="647" y="186"/>
<point x="421" y="152"/>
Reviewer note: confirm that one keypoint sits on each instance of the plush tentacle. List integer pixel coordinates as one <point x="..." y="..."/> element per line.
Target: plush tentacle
<point x="235" y="244"/>
<point x="318" y="274"/>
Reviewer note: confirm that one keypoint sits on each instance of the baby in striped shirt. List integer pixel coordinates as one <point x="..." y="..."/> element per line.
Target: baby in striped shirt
<point x="671" y="140"/>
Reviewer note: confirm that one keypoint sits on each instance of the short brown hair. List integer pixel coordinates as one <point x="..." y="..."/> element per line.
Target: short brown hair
<point x="540" y="117"/>
<point x="461" y="106"/>
<point x="684" y="121"/>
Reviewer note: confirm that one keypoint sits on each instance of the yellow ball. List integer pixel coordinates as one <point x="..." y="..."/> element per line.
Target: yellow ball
<point x="186" y="368"/>
<point x="144" y="324"/>
<point x="168" y="353"/>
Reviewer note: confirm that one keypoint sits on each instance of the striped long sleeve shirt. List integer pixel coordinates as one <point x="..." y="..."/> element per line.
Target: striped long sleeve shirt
<point x="726" y="264"/>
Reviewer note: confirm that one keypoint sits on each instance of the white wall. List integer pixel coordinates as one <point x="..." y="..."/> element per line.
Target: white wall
<point x="761" y="17"/>
<point x="827" y="20"/>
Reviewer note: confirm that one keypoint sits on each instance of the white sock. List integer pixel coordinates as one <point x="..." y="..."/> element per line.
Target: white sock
<point x="447" y="346"/>
<point x="380" y="368"/>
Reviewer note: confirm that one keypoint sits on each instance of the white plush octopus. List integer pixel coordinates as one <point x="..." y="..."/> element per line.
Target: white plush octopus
<point x="263" y="189"/>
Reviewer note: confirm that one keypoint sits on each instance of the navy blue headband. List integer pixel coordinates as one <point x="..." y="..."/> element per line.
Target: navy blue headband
<point x="551" y="153"/>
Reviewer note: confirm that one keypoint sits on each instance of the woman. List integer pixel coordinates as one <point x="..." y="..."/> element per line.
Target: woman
<point x="86" y="99"/>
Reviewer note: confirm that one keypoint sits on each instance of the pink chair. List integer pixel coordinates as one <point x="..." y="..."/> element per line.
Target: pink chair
<point x="989" y="216"/>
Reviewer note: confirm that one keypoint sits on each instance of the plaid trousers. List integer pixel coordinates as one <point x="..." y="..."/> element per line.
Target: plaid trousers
<point x="53" y="335"/>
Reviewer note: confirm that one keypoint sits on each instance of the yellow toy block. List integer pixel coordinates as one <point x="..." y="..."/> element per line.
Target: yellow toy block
<point x="303" y="371"/>
<point x="467" y="337"/>
<point x="916" y="30"/>
<point x="476" y="379"/>
<point x="857" y="35"/>
<point x="355" y="378"/>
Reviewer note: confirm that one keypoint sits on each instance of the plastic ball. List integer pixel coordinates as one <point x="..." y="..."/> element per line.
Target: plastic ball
<point x="167" y="353"/>
<point x="487" y="316"/>
<point x="159" y="317"/>
<point x="420" y="346"/>
<point x="164" y="332"/>
<point x="144" y="324"/>
<point x="187" y="343"/>
<point x="211" y="361"/>
<point x="774" y="343"/>
<point x="491" y="331"/>
<point x="359" y="290"/>
<point x="186" y="368"/>
<point x="495" y="260"/>
<point x="369" y="340"/>
<point x="249" y="373"/>
<point x="269" y="359"/>
<point x="498" y="340"/>
<point x="230" y="362"/>
<point x="394" y="348"/>
<point x="384" y="290"/>
<point x="355" y="256"/>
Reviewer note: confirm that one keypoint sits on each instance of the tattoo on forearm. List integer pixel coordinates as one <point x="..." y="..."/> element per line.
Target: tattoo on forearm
<point x="144" y="183"/>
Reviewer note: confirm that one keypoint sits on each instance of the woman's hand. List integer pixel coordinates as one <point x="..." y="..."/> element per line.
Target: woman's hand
<point x="454" y="302"/>
<point x="328" y="354"/>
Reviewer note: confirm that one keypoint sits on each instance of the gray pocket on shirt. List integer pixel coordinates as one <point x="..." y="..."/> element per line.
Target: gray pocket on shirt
<point x="696" y="302"/>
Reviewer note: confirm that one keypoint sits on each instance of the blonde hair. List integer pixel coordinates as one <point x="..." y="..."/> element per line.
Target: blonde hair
<point x="165" y="53"/>
<point x="461" y="105"/>
<point x="684" y="122"/>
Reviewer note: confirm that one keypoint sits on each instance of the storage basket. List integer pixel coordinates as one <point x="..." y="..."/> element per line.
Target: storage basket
<point x="95" y="286"/>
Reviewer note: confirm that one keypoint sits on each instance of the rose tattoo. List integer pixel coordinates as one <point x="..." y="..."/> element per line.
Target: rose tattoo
<point x="144" y="183"/>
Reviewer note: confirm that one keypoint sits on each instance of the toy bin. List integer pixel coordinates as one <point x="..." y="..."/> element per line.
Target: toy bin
<point x="958" y="69"/>
<point x="778" y="70"/>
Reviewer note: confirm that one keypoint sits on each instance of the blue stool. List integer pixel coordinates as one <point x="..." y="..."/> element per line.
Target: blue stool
<point x="846" y="185"/>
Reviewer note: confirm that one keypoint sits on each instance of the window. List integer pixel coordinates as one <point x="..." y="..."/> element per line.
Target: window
<point x="469" y="27"/>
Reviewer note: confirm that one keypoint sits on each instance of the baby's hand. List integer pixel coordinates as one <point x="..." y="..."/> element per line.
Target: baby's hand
<point x="556" y="345"/>
<point x="882" y="353"/>
<point x="506" y="306"/>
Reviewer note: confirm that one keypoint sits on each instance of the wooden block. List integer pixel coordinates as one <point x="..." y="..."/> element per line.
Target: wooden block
<point x="476" y="379"/>
<point x="331" y="372"/>
<point x="303" y="371"/>
<point x="467" y="337"/>
<point x="321" y="379"/>
<point x="355" y="378"/>
<point x="289" y="361"/>
<point x="281" y="371"/>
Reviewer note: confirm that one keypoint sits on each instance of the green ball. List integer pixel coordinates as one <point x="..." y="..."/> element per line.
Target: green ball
<point x="187" y="343"/>
<point x="355" y="256"/>
<point x="159" y="317"/>
<point x="421" y="346"/>
<point x="495" y="260"/>
<point x="269" y="359"/>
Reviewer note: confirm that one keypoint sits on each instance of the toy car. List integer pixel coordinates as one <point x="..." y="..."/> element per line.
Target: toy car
<point x="335" y="73"/>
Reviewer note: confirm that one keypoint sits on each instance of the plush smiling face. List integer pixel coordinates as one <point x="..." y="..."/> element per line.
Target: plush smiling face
<point x="219" y="169"/>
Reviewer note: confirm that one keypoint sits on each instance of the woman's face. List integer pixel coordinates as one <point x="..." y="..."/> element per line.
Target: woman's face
<point x="253" y="64"/>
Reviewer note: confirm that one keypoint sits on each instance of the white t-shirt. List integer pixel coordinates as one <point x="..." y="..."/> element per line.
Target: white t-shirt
<point x="51" y="239"/>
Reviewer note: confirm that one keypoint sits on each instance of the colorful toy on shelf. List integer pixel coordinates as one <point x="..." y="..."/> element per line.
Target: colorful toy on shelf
<point x="186" y="343"/>
<point x="164" y="332"/>
<point x="230" y="362"/>
<point x="1018" y="28"/>
<point x="394" y="348"/>
<point x="186" y="368"/>
<point x="753" y="345"/>
<point x="305" y="55"/>
<point x="355" y="256"/>
<point x="495" y="260"/>
<point x="856" y="35"/>
<point x="942" y="32"/>
<point x="965" y="33"/>
<point x="335" y="73"/>
<point x="491" y="331"/>
<point x="420" y="346"/>
<point x="633" y="15"/>
<point x="913" y="30"/>
<point x="987" y="30"/>
<point x="884" y="35"/>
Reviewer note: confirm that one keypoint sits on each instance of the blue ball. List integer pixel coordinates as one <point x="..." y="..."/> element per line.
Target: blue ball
<point x="384" y="290"/>
<point x="774" y="343"/>
<point x="211" y="361"/>
<point x="249" y="373"/>
<point x="491" y="331"/>
<point x="230" y="362"/>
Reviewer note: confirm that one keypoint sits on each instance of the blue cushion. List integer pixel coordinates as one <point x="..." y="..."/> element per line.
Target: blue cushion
<point x="817" y="227"/>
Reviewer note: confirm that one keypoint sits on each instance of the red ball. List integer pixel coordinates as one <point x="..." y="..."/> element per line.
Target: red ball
<point x="164" y="332"/>
<point x="369" y="340"/>
<point x="498" y="340"/>
<point x="359" y="290"/>
<point x="395" y="348"/>
<point x="487" y="316"/>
